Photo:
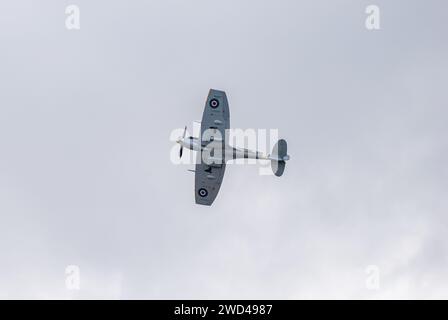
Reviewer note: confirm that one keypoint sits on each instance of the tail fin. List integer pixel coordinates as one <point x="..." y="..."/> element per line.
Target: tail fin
<point x="279" y="157"/>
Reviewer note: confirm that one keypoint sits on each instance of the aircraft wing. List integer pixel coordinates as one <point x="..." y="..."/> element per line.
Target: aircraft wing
<point x="215" y="121"/>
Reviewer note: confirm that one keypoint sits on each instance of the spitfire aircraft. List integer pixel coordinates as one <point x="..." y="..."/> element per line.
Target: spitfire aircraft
<point x="213" y="150"/>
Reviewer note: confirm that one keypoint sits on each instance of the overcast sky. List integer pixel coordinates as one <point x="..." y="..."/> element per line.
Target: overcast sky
<point x="85" y="171"/>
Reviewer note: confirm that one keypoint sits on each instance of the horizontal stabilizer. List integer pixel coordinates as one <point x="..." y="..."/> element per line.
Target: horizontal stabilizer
<point x="279" y="157"/>
<point x="278" y="167"/>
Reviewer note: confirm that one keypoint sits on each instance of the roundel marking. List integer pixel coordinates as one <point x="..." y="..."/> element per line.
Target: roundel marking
<point x="203" y="192"/>
<point x="214" y="103"/>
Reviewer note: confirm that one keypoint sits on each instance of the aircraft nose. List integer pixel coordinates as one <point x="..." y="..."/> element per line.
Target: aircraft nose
<point x="179" y="140"/>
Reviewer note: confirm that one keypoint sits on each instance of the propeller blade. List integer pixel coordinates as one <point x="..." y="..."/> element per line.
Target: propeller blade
<point x="181" y="146"/>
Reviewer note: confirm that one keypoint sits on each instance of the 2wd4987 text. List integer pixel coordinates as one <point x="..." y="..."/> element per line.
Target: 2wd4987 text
<point x="238" y="309"/>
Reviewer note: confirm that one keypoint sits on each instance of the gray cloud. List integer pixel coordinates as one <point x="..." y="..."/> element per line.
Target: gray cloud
<point x="86" y="178"/>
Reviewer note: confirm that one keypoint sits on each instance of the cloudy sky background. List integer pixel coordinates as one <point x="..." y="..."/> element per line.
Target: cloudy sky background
<point x="85" y="171"/>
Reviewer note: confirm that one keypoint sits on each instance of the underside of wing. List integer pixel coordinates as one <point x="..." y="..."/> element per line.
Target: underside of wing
<point x="216" y="114"/>
<point x="208" y="181"/>
<point x="209" y="173"/>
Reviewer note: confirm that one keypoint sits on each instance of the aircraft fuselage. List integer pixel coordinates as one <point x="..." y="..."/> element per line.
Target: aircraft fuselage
<point x="229" y="152"/>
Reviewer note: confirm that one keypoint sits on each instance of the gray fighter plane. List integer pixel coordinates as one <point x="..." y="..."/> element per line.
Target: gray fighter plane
<point x="213" y="150"/>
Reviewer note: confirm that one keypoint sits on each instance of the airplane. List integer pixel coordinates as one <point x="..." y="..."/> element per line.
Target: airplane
<point x="213" y="151"/>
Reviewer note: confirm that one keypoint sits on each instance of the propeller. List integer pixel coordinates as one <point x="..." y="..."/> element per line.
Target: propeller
<point x="181" y="146"/>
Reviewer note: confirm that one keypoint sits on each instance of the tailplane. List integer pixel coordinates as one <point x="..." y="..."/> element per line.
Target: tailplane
<point x="279" y="157"/>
